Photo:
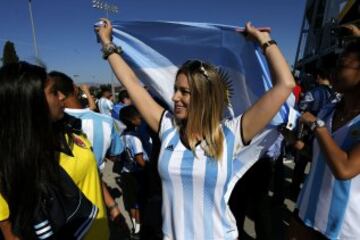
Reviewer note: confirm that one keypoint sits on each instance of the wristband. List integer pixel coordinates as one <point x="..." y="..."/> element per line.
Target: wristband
<point x="267" y="44"/>
<point x="109" y="49"/>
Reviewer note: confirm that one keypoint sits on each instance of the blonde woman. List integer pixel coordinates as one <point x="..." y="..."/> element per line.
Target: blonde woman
<point x="197" y="147"/>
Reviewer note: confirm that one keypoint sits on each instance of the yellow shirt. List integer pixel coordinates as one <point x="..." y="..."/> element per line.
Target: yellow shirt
<point x="83" y="170"/>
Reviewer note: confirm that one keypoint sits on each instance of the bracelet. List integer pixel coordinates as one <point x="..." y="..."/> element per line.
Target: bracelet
<point x="112" y="207"/>
<point x="267" y="44"/>
<point x="110" y="48"/>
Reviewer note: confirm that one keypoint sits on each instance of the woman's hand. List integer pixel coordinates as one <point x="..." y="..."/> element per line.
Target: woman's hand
<point x="257" y="35"/>
<point x="104" y="31"/>
<point x="352" y="29"/>
<point x="84" y="87"/>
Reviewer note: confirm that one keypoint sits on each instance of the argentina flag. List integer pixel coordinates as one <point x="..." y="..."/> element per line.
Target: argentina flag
<point x="156" y="49"/>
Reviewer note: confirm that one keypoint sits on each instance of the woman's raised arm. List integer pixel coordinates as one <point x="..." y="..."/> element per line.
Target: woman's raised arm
<point x="261" y="113"/>
<point x="149" y="109"/>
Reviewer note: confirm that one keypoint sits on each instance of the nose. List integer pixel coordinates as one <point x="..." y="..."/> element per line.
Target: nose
<point x="176" y="96"/>
<point x="61" y="96"/>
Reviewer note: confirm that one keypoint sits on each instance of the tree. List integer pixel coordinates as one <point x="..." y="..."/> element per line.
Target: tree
<point x="9" y="53"/>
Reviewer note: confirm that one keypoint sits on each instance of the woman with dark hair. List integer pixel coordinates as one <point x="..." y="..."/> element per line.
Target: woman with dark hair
<point x="328" y="204"/>
<point x="36" y="137"/>
<point x="196" y="161"/>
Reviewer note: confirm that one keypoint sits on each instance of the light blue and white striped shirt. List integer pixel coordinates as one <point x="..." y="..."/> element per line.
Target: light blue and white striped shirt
<point x="100" y="131"/>
<point x="105" y="106"/>
<point x="329" y="205"/>
<point x="135" y="146"/>
<point x="195" y="189"/>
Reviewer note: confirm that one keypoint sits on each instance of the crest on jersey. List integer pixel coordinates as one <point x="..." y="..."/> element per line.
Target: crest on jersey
<point x="78" y="141"/>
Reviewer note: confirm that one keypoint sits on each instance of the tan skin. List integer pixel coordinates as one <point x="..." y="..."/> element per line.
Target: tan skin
<point x="344" y="164"/>
<point x="254" y="119"/>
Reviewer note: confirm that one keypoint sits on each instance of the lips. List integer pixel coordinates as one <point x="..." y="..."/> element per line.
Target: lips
<point x="179" y="108"/>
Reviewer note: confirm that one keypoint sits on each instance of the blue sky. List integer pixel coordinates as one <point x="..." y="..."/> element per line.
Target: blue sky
<point x="66" y="41"/>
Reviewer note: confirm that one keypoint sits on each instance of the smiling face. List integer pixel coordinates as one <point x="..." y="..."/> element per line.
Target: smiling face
<point x="181" y="97"/>
<point x="55" y="100"/>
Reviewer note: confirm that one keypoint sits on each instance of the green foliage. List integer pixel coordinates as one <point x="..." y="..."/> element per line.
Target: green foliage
<point x="9" y="53"/>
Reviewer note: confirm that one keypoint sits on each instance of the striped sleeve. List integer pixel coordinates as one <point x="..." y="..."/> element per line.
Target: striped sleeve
<point x="135" y="145"/>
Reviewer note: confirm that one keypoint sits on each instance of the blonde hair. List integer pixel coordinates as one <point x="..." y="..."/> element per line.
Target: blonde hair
<point x="207" y="104"/>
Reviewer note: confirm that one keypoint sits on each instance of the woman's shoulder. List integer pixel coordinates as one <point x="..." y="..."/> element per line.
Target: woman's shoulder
<point x="167" y="121"/>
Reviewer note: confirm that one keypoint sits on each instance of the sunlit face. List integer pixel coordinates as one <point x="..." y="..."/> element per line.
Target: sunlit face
<point x="108" y="95"/>
<point x="55" y="100"/>
<point x="181" y="97"/>
<point x="347" y="73"/>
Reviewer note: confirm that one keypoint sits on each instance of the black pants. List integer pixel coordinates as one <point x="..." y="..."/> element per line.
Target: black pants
<point x="250" y="197"/>
<point x="130" y="188"/>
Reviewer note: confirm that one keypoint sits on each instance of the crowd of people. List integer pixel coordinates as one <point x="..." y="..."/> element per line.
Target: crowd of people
<point x="174" y="166"/>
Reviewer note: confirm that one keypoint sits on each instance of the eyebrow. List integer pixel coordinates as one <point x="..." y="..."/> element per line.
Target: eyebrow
<point x="182" y="88"/>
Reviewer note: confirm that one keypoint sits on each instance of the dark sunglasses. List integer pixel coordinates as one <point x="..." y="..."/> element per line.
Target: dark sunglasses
<point x="196" y="65"/>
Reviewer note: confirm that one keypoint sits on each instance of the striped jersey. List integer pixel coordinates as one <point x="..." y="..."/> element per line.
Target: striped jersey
<point x="100" y="131"/>
<point x="133" y="144"/>
<point x="195" y="188"/>
<point x="105" y="106"/>
<point x="329" y="205"/>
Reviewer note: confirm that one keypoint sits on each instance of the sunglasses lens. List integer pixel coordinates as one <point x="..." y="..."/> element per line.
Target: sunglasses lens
<point x="193" y="64"/>
<point x="196" y="66"/>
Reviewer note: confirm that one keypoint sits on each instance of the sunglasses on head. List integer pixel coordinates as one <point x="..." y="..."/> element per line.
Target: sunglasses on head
<point x="197" y="65"/>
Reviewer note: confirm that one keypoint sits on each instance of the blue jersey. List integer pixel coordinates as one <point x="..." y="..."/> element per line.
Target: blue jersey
<point x="196" y="189"/>
<point x="115" y="111"/>
<point x="100" y="131"/>
<point x="329" y="205"/>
